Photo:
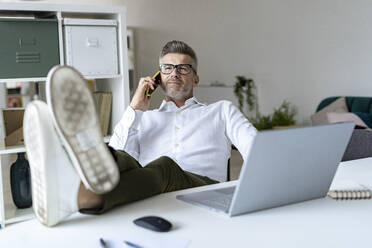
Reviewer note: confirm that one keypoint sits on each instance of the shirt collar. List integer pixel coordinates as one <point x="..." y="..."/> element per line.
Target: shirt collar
<point x="171" y="106"/>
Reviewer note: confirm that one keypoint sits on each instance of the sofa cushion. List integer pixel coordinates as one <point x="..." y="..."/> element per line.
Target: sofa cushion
<point x="325" y="102"/>
<point x="334" y="117"/>
<point x="338" y="106"/>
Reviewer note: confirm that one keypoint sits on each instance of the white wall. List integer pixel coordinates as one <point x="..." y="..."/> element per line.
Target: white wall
<point x="298" y="50"/>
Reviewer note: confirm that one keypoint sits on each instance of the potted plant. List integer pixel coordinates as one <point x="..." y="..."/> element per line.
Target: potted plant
<point x="245" y="89"/>
<point x="283" y="117"/>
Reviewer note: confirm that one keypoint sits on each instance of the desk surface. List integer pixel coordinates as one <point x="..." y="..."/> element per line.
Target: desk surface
<point x="317" y="223"/>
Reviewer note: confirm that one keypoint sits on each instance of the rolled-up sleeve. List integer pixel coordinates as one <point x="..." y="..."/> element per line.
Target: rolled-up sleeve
<point x="238" y="129"/>
<point x="125" y="136"/>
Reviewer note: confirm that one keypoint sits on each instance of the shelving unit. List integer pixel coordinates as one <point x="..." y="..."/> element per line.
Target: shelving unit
<point x="117" y="83"/>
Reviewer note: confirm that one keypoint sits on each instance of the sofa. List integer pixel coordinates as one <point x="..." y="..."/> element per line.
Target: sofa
<point x="360" y="106"/>
<point x="357" y="109"/>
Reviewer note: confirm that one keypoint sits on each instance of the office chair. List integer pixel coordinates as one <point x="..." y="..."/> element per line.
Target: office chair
<point x="360" y="145"/>
<point x="228" y="171"/>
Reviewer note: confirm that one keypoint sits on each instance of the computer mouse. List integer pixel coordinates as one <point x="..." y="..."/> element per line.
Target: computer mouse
<point x="154" y="223"/>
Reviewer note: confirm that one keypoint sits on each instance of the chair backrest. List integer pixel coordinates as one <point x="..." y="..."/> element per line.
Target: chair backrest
<point x="228" y="177"/>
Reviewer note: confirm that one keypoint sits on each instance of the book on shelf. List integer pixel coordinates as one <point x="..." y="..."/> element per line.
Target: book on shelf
<point x="103" y="101"/>
<point x="11" y="122"/>
<point x="349" y="190"/>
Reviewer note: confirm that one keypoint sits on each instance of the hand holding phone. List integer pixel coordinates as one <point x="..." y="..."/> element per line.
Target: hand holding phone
<point x="141" y="97"/>
<point x="157" y="78"/>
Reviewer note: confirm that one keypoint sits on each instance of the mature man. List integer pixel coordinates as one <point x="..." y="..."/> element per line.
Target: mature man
<point x="197" y="136"/>
<point x="73" y="170"/>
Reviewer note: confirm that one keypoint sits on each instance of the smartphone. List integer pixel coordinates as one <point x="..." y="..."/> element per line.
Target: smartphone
<point x="157" y="78"/>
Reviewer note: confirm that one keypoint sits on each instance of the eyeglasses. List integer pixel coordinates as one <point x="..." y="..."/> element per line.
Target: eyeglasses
<point x="183" y="69"/>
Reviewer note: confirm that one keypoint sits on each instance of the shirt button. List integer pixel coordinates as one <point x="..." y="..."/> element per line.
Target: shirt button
<point x="177" y="128"/>
<point x="177" y="145"/>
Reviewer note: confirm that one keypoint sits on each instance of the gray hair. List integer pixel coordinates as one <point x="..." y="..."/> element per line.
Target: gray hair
<point x="181" y="47"/>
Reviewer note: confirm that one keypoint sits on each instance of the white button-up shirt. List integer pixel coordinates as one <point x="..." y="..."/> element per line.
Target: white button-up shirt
<point x="197" y="136"/>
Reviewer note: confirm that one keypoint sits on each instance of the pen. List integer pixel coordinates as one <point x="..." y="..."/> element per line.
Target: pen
<point x="130" y="244"/>
<point x="103" y="243"/>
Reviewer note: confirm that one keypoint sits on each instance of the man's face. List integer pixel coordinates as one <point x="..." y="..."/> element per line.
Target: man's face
<point x="175" y="85"/>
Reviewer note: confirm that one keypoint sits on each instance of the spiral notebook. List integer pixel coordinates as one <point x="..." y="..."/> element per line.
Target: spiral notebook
<point x="349" y="190"/>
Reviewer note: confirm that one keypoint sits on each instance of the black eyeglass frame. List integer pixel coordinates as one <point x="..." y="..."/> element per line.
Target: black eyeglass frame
<point x="176" y="67"/>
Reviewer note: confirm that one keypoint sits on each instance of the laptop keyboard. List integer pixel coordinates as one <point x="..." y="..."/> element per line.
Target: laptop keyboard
<point x="216" y="199"/>
<point x="222" y="201"/>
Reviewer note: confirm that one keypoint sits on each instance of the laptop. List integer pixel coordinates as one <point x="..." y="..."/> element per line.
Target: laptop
<point x="283" y="167"/>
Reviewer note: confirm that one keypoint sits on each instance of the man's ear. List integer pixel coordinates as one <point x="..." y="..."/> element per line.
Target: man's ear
<point x="196" y="80"/>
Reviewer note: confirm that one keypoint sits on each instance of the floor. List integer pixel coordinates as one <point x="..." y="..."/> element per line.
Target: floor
<point x="236" y="162"/>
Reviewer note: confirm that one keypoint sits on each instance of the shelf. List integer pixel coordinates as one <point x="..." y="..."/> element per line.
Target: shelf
<point x="12" y="149"/>
<point x="10" y="80"/>
<point x="17" y="215"/>
<point x="43" y="79"/>
<point x="103" y="77"/>
<point x="21" y="148"/>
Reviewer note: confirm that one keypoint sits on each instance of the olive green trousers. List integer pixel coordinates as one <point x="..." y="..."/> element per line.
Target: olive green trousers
<point x="136" y="182"/>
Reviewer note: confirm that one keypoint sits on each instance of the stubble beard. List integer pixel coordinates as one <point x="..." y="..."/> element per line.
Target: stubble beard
<point x="182" y="94"/>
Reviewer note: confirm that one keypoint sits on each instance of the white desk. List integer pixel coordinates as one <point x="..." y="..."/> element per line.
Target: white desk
<point x="317" y="223"/>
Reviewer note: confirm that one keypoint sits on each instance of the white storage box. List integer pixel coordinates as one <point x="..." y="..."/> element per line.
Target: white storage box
<point x="91" y="46"/>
